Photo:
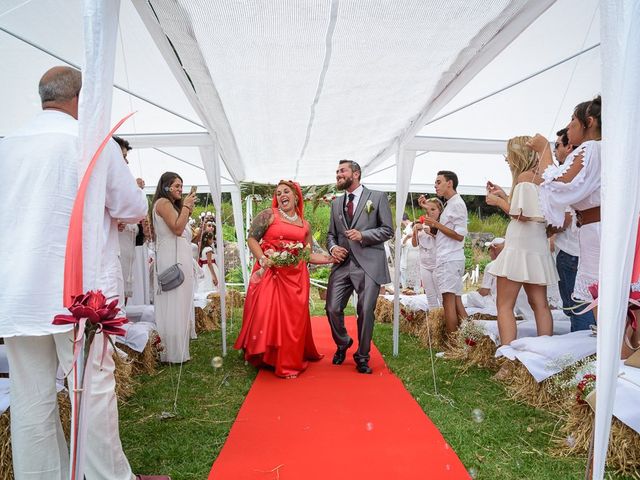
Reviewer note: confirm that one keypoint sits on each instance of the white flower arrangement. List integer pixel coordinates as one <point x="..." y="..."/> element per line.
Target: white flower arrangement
<point x="368" y="206"/>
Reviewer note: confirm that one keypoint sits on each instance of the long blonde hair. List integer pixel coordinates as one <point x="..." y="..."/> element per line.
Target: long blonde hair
<point x="520" y="158"/>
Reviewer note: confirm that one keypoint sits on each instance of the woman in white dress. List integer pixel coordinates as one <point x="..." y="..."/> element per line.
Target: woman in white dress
<point x="526" y="260"/>
<point x="425" y="238"/>
<point x="207" y="262"/>
<point x="170" y="216"/>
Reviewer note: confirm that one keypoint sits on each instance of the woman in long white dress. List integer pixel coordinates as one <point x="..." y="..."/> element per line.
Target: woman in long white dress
<point x="170" y="216"/>
<point x="526" y="260"/>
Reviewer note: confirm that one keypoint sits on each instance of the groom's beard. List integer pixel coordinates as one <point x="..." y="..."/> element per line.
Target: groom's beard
<point x="346" y="183"/>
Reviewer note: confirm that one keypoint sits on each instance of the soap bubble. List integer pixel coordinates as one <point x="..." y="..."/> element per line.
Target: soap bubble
<point x="477" y="415"/>
<point x="216" y="362"/>
<point x="473" y="472"/>
<point x="570" y="441"/>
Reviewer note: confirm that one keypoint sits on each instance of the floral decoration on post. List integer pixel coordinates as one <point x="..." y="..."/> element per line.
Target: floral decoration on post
<point x="90" y="315"/>
<point x="585" y="387"/>
<point x="368" y="206"/>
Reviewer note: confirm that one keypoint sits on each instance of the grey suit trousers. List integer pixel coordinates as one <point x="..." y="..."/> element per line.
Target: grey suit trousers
<point x="344" y="279"/>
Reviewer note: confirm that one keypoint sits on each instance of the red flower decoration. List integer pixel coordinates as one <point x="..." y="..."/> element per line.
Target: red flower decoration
<point x="593" y="290"/>
<point x="421" y="219"/>
<point x="470" y="341"/>
<point x="93" y="306"/>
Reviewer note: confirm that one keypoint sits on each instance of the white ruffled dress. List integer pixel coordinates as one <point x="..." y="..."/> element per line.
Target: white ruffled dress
<point x="526" y="256"/>
<point x="582" y="193"/>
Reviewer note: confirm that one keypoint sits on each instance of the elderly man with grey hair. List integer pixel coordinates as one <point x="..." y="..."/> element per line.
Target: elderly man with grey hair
<point x="40" y="165"/>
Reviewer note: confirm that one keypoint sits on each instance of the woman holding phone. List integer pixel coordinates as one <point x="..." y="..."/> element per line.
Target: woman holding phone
<point x="170" y="218"/>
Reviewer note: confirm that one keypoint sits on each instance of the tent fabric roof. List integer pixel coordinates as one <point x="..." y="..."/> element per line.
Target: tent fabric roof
<point x="288" y="88"/>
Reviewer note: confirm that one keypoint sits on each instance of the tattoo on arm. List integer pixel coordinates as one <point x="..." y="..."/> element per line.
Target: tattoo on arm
<point x="260" y="224"/>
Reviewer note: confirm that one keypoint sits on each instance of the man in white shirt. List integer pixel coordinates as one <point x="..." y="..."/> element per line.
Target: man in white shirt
<point x="568" y="249"/>
<point x="452" y="228"/>
<point x="40" y="163"/>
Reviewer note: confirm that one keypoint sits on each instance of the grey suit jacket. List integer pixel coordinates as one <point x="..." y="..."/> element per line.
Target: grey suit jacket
<point x="376" y="227"/>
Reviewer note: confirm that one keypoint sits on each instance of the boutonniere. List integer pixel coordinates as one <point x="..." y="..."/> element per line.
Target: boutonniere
<point x="368" y="206"/>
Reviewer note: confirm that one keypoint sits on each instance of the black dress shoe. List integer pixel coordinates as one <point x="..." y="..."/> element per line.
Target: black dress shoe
<point x="363" y="367"/>
<point x="341" y="353"/>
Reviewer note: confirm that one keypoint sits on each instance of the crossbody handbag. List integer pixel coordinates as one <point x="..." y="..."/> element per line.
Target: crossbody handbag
<point x="172" y="277"/>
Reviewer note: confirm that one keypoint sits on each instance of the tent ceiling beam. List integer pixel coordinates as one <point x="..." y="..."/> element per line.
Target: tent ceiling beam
<point x="229" y="150"/>
<point x="463" y="73"/>
<point x="116" y="86"/>
<point x="151" y="140"/>
<point x="513" y="84"/>
<point x="456" y="145"/>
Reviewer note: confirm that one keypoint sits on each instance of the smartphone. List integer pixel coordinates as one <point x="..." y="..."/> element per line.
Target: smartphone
<point x="194" y="189"/>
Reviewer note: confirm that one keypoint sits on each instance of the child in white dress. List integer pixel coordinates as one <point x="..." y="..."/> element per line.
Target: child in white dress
<point x="424" y="238"/>
<point x="208" y="263"/>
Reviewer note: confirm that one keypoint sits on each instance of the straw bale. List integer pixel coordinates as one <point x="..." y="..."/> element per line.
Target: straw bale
<point x="434" y="325"/>
<point x="575" y="434"/>
<point x="6" y="467"/>
<point x="411" y="321"/>
<point x="125" y="383"/>
<point x="479" y="353"/>
<point x="384" y="310"/>
<point x="147" y="360"/>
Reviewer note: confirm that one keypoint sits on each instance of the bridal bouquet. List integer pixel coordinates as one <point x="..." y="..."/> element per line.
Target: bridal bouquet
<point x="282" y="254"/>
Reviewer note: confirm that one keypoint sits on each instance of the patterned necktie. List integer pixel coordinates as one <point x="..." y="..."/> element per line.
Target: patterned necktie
<point x="350" y="208"/>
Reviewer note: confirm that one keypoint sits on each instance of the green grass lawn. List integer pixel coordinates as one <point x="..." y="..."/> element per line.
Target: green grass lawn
<point x="511" y="442"/>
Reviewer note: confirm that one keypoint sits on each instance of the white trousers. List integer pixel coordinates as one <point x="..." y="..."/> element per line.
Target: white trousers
<point x="430" y="285"/>
<point x="38" y="445"/>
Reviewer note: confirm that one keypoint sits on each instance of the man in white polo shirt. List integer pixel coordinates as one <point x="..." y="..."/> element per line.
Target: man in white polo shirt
<point x="452" y="229"/>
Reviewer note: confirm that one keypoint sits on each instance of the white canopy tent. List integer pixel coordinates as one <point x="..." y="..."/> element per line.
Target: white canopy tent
<point x="284" y="89"/>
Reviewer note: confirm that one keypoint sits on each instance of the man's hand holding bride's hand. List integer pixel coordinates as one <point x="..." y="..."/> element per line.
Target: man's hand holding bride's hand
<point x="339" y="253"/>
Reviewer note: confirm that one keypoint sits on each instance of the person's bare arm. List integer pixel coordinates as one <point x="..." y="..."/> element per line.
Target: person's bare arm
<point x="174" y="220"/>
<point x="258" y="228"/>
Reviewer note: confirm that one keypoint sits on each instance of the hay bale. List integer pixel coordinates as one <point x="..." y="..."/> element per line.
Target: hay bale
<point x="411" y="321"/>
<point x="575" y="434"/>
<point x="479" y="353"/>
<point x="384" y="310"/>
<point x="434" y="325"/>
<point x="206" y="319"/>
<point x="123" y="374"/>
<point x="147" y="360"/>
<point x="6" y="466"/>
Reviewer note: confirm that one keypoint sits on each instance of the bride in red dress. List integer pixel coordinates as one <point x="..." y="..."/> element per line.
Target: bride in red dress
<point x="276" y="326"/>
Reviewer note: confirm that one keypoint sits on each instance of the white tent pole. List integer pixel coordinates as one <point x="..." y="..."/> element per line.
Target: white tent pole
<point x="406" y="159"/>
<point x="229" y="150"/>
<point x="236" y="201"/>
<point x="620" y="36"/>
<point x="463" y="71"/>
<point x="211" y="162"/>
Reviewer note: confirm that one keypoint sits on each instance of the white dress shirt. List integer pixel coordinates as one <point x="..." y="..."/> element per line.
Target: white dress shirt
<point x="454" y="217"/>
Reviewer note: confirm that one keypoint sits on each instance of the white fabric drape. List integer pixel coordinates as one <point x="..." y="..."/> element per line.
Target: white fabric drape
<point x="406" y="159"/>
<point x="236" y="202"/>
<point x="211" y="163"/>
<point x="620" y="36"/>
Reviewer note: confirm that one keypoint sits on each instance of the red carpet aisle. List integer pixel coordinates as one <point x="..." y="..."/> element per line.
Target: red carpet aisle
<point x="333" y="423"/>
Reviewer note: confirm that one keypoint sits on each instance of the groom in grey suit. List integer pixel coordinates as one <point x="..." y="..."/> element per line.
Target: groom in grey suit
<point x="359" y="225"/>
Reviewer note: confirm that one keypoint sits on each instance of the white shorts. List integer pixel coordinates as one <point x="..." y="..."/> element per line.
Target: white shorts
<point x="449" y="276"/>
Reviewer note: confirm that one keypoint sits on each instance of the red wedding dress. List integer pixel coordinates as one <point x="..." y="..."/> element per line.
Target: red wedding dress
<point x="276" y="326"/>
